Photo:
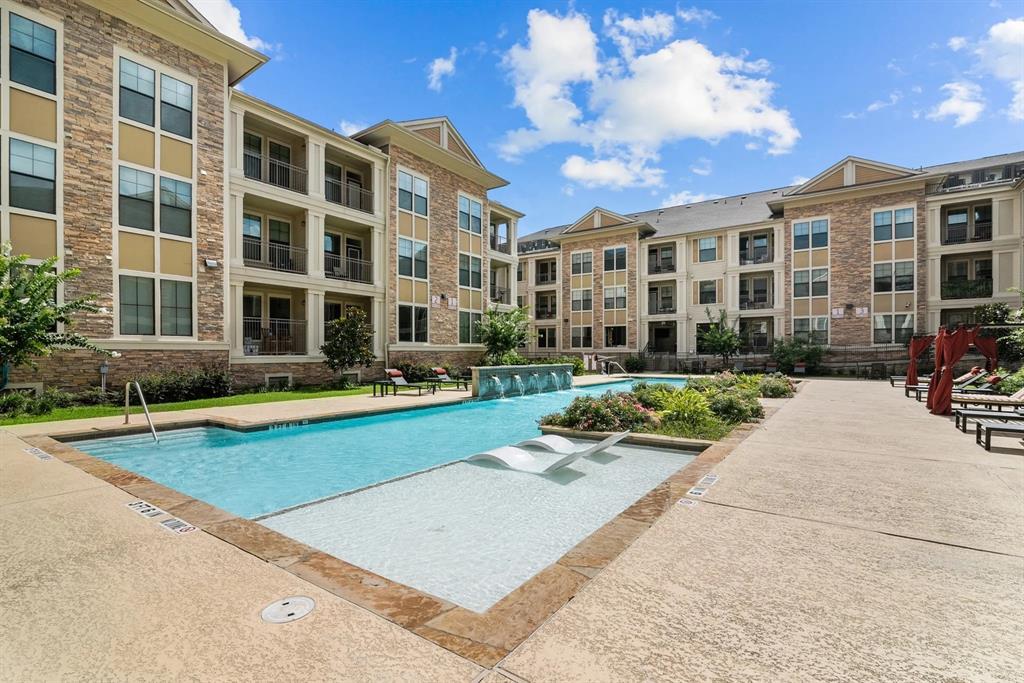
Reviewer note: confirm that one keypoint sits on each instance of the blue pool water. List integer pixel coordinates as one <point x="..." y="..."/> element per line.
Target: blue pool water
<point x="255" y="473"/>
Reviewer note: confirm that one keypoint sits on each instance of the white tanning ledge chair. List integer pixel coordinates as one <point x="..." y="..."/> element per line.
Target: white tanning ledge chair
<point x="562" y="445"/>
<point x="516" y="458"/>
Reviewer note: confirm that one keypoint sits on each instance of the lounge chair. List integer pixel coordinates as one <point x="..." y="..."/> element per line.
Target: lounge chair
<point x="396" y="380"/>
<point x="562" y="445"/>
<point x="987" y="427"/>
<point x="962" y="415"/>
<point x="962" y="382"/>
<point x="441" y="377"/>
<point x="516" y="458"/>
<point x="1012" y="401"/>
<point x="902" y="379"/>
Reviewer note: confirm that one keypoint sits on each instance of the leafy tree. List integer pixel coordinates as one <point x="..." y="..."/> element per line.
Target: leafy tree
<point x="502" y="332"/>
<point x="29" y="314"/>
<point x="349" y="342"/>
<point x="1011" y="341"/>
<point x="720" y="338"/>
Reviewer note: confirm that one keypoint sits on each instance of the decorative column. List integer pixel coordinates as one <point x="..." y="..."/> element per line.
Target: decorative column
<point x="380" y="261"/>
<point x="380" y="327"/>
<point x="236" y="328"/>
<point x="314" y="322"/>
<point x="236" y="211"/>
<point x="315" y="243"/>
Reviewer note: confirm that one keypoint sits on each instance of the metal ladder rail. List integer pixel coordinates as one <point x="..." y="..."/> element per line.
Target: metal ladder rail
<point x="145" y="408"/>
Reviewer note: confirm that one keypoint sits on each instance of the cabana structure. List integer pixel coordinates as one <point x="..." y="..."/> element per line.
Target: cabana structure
<point x="950" y="347"/>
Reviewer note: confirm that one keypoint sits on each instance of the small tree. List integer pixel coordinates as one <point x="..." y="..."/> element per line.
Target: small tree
<point x="720" y="338"/>
<point x="502" y="332"/>
<point x="30" y="314"/>
<point x="349" y="342"/>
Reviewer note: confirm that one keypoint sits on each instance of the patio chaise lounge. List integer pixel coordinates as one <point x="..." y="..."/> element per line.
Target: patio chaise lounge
<point x="902" y="379"/>
<point x="516" y="458"/>
<point x="563" y="446"/>
<point x="962" y="415"/>
<point x="396" y="380"/>
<point x="964" y="381"/>
<point x="987" y="427"/>
<point x="441" y="376"/>
<point x="1012" y="401"/>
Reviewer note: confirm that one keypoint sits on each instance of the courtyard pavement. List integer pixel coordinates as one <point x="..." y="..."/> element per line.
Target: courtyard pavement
<point x="852" y="537"/>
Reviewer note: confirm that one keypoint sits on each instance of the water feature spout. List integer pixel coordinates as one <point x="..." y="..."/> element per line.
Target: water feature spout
<point x="568" y="379"/>
<point x="517" y="382"/>
<point x="533" y="382"/>
<point x="554" y="380"/>
<point x="496" y="383"/>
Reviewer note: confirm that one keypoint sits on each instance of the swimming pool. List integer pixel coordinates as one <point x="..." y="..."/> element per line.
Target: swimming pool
<point x="256" y="473"/>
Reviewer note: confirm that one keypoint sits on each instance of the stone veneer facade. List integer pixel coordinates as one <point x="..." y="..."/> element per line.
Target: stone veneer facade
<point x="851" y="272"/>
<point x="90" y="37"/>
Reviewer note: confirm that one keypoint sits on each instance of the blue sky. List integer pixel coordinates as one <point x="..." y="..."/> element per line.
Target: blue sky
<point x="638" y="106"/>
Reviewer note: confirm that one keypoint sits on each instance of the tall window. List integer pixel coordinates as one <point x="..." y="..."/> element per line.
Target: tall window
<point x="468" y="327"/>
<point x="811" y="329"/>
<point x="582" y="300"/>
<point x="898" y="223"/>
<point x="175" y="106"/>
<point x="614" y="298"/>
<point x="546" y="338"/>
<point x="137" y="92"/>
<point x="33" y="54"/>
<point x="801" y="236"/>
<point x="883" y="277"/>
<point x="135" y="198"/>
<point x="412" y="193"/>
<point x="903" y="276"/>
<point x="546" y="272"/>
<point x="252" y="226"/>
<point x="813" y="234"/>
<point x="175" y="207"/>
<point x="819" y="234"/>
<point x="582" y="263"/>
<point x="819" y="282"/>
<point x="812" y="282"/>
<point x="615" y="259"/>
<point x="32" y="180"/>
<point x="582" y="337"/>
<point x="137" y="312"/>
<point x="801" y="283"/>
<point x="519" y="272"/>
<point x="707" y="292"/>
<point x="893" y="328"/>
<point x="470" y="213"/>
<point x="469" y="271"/>
<point x="176" y="308"/>
<point x="615" y="335"/>
<point x="707" y="249"/>
<point x="412" y="323"/>
<point x="412" y="258"/>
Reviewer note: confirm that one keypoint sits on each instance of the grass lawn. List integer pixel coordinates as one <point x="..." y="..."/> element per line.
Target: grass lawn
<point x="79" y="412"/>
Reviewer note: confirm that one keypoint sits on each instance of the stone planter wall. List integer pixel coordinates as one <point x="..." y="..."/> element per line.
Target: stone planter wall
<point x="520" y="379"/>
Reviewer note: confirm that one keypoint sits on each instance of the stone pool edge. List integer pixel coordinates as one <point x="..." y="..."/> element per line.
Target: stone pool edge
<point x="484" y="638"/>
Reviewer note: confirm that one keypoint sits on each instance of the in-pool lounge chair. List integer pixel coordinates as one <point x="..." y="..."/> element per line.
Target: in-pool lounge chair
<point x="516" y="458"/>
<point x="441" y="377"/>
<point x="562" y="446"/>
<point x="396" y="380"/>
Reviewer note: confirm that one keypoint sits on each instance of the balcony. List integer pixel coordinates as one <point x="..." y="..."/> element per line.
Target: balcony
<point x="960" y="234"/>
<point x="348" y="194"/>
<point x="661" y="267"/>
<point x="979" y="288"/>
<point x="501" y="243"/>
<point x="545" y="314"/>
<point x="351" y="269"/>
<point x="273" y="337"/>
<point x="661" y="308"/>
<point x="500" y="295"/>
<point x="274" y="172"/>
<point x="754" y="303"/>
<point x="272" y="256"/>
<point x="751" y="258"/>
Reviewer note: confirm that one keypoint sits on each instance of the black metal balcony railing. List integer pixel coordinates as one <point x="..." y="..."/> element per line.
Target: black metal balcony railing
<point x="967" y="289"/>
<point x="961" y="235"/>
<point x="546" y="279"/>
<point x="753" y="304"/>
<point x="274" y="172"/>
<point x="501" y="243"/>
<point x="747" y="259"/>
<point x="656" y="268"/>
<point x="545" y="314"/>
<point x="347" y="194"/>
<point x="352" y="269"/>
<point x="273" y="337"/>
<point x="272" y="256"/>
<point x="661" y="309"/>
<point x="500" y="295"/>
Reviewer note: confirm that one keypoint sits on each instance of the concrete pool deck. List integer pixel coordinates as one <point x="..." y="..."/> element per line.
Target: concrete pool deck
<point x="851" y="536"/>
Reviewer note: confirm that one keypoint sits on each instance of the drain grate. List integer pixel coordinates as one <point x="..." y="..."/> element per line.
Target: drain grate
<point x="288" y="609"/>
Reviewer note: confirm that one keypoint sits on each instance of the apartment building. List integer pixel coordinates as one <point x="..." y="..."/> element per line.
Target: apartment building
<point x="216" y="229"/>
<point x="863" y="254"/>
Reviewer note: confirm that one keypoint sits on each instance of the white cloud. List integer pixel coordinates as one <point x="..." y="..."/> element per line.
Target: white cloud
<point x="752" y="146"/>
<point x="1001" y="54"/>
<point x="625" y="107"/>
<point x="228" y="20"/>
<point x="687" y="197"/>
<point x="894" y="67"/>
<point x="799" y="180"/>
<point x="957" y="43"/>
<point x="696" y="15"/>
<point x="963" y="103"/>
<point x="702" y="167"/>
<point x="441" y="68"/>
<point x="894" y="97"/>
<point x="349" y="127"/>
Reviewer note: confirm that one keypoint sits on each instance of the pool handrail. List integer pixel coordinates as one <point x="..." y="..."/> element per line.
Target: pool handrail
<point x="145" y="408"/>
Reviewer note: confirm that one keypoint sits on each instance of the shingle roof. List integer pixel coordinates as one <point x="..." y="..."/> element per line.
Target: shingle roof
<point x="994" y="160"/>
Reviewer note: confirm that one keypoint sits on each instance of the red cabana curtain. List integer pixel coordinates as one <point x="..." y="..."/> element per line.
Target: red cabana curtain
<point x="988" y="347"/>
<point x="940" y="344"/>
<point x="918" y="345"/>
<point x="953" y="349"/>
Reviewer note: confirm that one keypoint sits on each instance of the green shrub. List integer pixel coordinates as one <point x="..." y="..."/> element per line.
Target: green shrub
<point x="575" y="361"/>
<point x="95" y="397"/>
<point x="734" y="405"/>
<point x="689" y="406"/>
<point x="1011" y="384"/>
<point x="710" y="429"/>
<point x="787" y="352"/>
<point x="775" y="386"/>
<point x="186" y="385"/>
<point x="610" y="412"/>
<point x="634" y="364"/>
<point x="14" y="403"/>
<point x="652" y="395"/>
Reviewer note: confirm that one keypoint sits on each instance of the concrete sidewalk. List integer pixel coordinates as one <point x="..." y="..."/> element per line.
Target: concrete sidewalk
<point x="854" y="537"/>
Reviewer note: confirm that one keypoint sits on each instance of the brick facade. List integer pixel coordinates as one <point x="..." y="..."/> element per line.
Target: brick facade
<point x="850" y="261"/>
<point x="458" y="359"/>
<point x="80" y="370"/>
<point x="443" y="243"/>
<point x="304" y="373"/>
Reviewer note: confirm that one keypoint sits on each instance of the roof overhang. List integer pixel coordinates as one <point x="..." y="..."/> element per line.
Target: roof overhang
<point x="505" y="210"/>
<point x="641" y="227"/>
<point x="390" y="133"/>
<point x="163" y="20"/>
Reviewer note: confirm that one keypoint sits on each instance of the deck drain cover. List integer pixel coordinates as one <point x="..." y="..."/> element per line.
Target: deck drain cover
<point x="288" y="609"/>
